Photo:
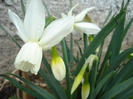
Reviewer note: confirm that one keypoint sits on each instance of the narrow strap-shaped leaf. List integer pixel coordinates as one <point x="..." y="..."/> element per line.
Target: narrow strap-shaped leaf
<point x="71" y="3"/>
<point x="23" y="7"/>
<point x="92" y="77"/>
<point x="100" y="84"/>
<point x="10" y="35"/>
<point x="117" y="89"/>
<point x="46" y="65"/>
<point x="126" y="94"/>
<point x="116" y="61"/>
<point x="107" y="18"/>
<point x="65" y="57"/>
<point x="117" y="40"/>
<point x="46" y="8"/>
<point x="85" y="40"/>
<point x="51" y="81"/>
<point x="100" y="50"/>
<point x="53" y="84"/>
<point x="71" y="51"/>
<point x="48" y="81"/>
<point x="110" y="48"/>
<point x="38" y="89"/>
<point x="127" y="27"/>
<point x="127" y="69"/>
<point x="127" y="3"/>
<point x="99" y="38"/>
<point x="80" y="49"/>
<point x="22" y="87"/>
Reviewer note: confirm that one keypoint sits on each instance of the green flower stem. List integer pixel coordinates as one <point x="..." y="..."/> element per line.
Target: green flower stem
<point x="71" y="50"/>
<point x="65" y="57"/>
<point x="23" y="7"/>
<point x="54" y="52"/>
<point x="85" y="39"/>
<point x="91" y="37"/>
<point x="86" y="77"/>
<point x="71" y="3"/>
<point x="46" y="9"/>
<point x="10" y="36"/>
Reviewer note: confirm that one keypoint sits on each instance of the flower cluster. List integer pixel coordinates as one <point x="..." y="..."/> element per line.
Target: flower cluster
<point x="38" y="38"/>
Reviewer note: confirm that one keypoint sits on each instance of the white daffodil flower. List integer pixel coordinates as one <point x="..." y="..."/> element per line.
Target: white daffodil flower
<point x="36" y="38"/>
<point x="83" y="27"/>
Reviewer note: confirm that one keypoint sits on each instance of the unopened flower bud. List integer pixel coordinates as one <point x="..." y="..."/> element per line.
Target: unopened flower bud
<point x="78" y="79"/>
<point x="57" y="65"/>
<point x="85" y="86"/>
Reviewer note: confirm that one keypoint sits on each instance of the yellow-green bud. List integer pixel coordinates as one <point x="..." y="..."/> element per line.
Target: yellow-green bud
<point x="85" y="90"/>
<point x="90" y="60"/>
<point x="78" y="78"/>
<point x="85" y="86"/>
<point x="57" y="65"/>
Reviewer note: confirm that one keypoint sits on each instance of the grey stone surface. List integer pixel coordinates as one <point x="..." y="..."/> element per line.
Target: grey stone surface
<point x="8" y="50"/>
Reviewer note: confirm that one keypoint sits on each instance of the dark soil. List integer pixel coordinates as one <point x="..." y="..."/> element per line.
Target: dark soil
<point x="8" y="91"/>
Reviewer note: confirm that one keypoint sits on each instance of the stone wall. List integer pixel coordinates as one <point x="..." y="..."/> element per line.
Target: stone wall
<point x="8" y="49"/>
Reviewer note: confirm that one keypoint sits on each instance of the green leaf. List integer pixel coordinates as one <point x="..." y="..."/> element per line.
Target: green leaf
<point x="23" y="7"/>
<point x="99" y="38"/>
<point x="51" y="81"/>
<point x="71" y="3"/>
<point x="100" y="84"/>
<point x="46" y="8"/>
<point x="114" y="65"/>
<point x="53" y="84"/>
<point x="38" y="89"/>
<point x="10" y="35"/>
<point x="117" y="89"/>
<point x="65" y="58"/>
<point x="117" y="39"/>
<point x="114" y="46"/>
<point x="126" y="94"/>
<point x="107" y="18"/>
<point x="123" y="73"/>
<point x="85" y="40"/>
<point x="119" y="59"/>
<point x="49" y="20"/>
<point x="21" y="87"/>
<point x="100" y="51"/>
<point x="80" y="49"/>
<point x="127" y="27"/>
<point x="71" y="52"/>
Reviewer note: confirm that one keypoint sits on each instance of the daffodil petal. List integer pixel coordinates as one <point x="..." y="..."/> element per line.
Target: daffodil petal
<point x="63" y="15"/>
<point x="58" y="68"/>
<point x="81" y="15"/>
<point x="29" y="58"/>
<point x="56" y="31"/>
<point x="70" y="12"/>
<point x="34" y="21"/>
<point x="19" y="25"/>
<point x="27" y="4"/>
<point x="87" y="28"/>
